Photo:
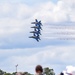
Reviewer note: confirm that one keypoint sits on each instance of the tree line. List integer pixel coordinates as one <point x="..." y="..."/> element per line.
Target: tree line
<point x="46" y="71"/>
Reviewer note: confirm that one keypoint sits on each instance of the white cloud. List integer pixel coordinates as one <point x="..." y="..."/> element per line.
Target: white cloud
<point x="69" y="70"/>
<point x="15" y="25"/>
<point x="29" y="58"/>
<point x="60" y="12"/>
<point x="24" y="11"/>
<point x="15" y="18"/>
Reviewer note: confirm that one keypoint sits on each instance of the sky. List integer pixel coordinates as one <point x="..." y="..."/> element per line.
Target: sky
<point x="15" y="46"/>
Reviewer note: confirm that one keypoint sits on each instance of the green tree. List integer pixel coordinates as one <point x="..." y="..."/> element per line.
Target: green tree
<point x="26" y="73"/>
<point x="7" y="74"/>
<point x="14" y="73"/>
<point x="48" y="71"/>
<point x="1" y="72"/>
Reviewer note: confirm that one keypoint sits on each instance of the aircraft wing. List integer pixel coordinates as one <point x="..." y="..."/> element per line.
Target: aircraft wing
<point x="36" y="32"/>
<point x="35" y="37"/>
<point x="32" y="37"/>
<point x="35" y="27"/>
<point x="33" y="32"/>
<point x="33" y="22"/>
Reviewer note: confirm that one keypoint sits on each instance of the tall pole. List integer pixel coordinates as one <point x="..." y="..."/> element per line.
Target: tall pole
<point x="16" y="67"/>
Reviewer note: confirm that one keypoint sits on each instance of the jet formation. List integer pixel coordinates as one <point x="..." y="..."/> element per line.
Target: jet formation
<point x="37" y="30"/>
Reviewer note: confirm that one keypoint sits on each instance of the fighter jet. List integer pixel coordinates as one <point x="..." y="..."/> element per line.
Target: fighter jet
<point x="35" y="37"/>
<point x="37" y="30"/>
<point x="37" y="22"/>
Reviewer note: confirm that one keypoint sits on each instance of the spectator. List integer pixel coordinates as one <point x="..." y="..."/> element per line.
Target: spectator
<point x="61" y="73"/>
<point x="39" y="70"/>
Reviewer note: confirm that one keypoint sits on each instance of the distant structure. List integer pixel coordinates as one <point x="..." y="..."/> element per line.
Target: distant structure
<point x="16" y="67"/>
<point x="37" y="30"/>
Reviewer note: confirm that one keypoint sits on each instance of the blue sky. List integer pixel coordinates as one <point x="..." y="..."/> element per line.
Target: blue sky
<point x="28" y="1"/>
<point x="15" y="46"/>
